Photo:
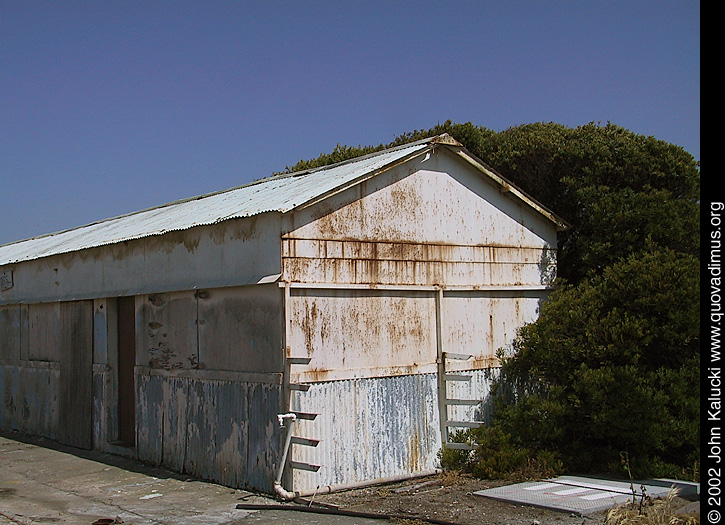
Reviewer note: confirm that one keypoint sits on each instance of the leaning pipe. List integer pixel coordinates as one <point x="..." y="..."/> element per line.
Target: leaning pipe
<point x="329" y="489"/>
<point x="282" y="493"/>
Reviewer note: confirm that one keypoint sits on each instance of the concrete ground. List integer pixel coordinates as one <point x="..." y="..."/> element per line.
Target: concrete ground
<point x="42" y="482"/>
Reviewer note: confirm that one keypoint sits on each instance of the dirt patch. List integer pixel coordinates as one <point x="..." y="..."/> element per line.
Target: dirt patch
<point x="449" y="498"/>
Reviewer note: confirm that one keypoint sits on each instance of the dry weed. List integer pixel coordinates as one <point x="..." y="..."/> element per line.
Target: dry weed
<point x="652" y="512"/>
<point x="450" y="478"/>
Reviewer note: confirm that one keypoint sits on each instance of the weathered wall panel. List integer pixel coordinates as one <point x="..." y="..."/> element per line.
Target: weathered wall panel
<point x="29" y="401"/>
<point x="234" y="252"/>
<point x="443" y="203"/>
<point x="479" y="323"/>
<point x="223" y="431"/>
<point x="173" y="438"/>
<point x="241" y="328"/>
<point x="44" y="332"/>
<point x="166" y="331"/>
<point x="478" y="387"/>
<point x="76" y="374"/>
<point x="232" y="434"/>
<point x="378" y="427"/>
<point x="369" y="429"/>
<point x="48" y="392"/>
<point x="201" y="423"/>
<point x="361" y="333"/>
<point x="10" y="332"/>
<point x="356" y="262"/>
<point x="10" y="389"/>
<point x="265" y="438"/>
<point x="229" y="329"/>
<point x="150" y="418"/>
<point x="36" y="408"/>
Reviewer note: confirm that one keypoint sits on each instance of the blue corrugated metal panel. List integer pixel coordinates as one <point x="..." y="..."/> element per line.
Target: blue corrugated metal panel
<point x="275" y="194"/>
<point x="369" y="429"/>
<point x="224" y="431"/>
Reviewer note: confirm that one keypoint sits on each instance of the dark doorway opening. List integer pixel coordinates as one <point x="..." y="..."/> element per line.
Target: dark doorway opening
<point x="126" y="363"/>
<point x="76" y="374"/>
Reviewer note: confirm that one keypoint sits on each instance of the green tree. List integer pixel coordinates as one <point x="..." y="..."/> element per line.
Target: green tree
<point x="612" y="365"/>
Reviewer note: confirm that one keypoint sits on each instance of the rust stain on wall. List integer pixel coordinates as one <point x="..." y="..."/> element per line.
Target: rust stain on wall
<point x="366" y="262"/>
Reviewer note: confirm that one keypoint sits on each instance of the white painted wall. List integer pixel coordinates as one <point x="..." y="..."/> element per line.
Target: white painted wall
<point x="234" y="252"/>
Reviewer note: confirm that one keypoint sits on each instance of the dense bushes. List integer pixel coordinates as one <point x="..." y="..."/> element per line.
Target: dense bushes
<point x="612" y="365"/>
<point x="496" y="455"/>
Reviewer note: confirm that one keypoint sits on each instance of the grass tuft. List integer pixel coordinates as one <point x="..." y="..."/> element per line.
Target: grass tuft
<point x="659" y="511"/>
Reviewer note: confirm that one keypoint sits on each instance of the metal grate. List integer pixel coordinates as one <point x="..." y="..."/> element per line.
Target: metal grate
<point x="572" y="494"/>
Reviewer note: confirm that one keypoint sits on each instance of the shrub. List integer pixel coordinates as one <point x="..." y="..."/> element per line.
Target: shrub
<point x="496" y="455"/>
<point x="612" y="365"/>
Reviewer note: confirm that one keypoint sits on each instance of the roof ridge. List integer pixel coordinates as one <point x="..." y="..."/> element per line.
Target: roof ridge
<point x="444" y="138"/>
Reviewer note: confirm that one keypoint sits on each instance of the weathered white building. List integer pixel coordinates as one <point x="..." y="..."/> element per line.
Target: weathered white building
<point x="359" y="304"/>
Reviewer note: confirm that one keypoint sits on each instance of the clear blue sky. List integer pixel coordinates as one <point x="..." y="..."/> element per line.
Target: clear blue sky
<point x="111" y="107"/>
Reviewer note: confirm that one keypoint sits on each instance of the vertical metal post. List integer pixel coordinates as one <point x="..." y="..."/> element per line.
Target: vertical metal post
<point x="286" y="371"/>
<point x="441" y="361"/>
<point x="286" y="391"/>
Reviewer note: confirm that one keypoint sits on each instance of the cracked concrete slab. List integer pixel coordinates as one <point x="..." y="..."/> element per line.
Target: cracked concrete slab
<point x="56" y="484"/>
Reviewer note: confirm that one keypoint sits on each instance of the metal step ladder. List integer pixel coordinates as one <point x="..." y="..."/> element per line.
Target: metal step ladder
<point x="444" y="377"/>
<point x="444" y="401"/>
<point x="299" y="440"/>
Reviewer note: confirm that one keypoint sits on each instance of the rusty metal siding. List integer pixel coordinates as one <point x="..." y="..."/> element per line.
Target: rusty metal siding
<point x="430" y="222"/>
<point x="480" y="322"/>
<point x="369" y="429"/>
<point x="432" y="201"/>
<point x="361" y="333"/>
<point x="387" y="263"/>
<point x="382" y="276"/>
<point x="364" y="266"/>
<point x="233" y="253"/>
<point x="376" y="428"/>
<point x="223" y="431"/>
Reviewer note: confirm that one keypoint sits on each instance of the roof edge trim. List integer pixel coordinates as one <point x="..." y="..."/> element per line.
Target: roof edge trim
<point x="510" y="187"/>
<point x="363" y="178"/>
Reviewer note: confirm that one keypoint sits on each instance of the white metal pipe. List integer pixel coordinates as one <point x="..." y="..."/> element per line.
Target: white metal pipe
<point x="328" y="489"/>
<point x="283" y="493"/>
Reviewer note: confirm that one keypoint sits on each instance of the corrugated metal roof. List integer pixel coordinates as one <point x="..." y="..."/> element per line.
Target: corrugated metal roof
<point x="275" y="194"/>
<point x="280" y="193"/>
